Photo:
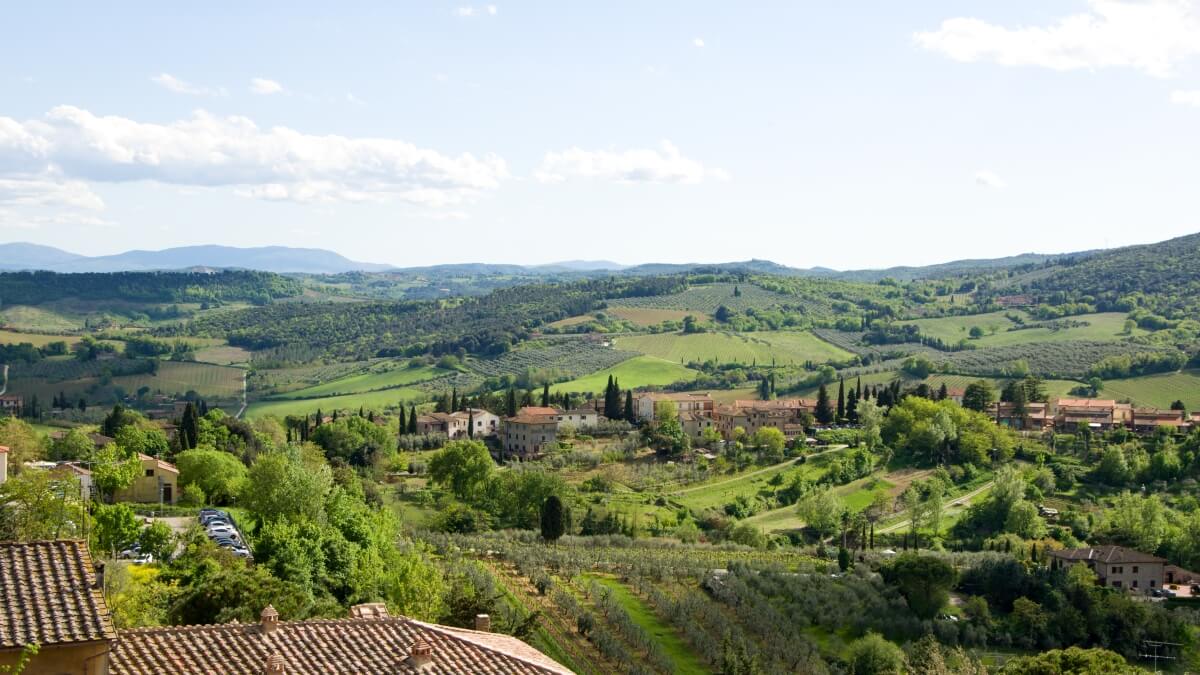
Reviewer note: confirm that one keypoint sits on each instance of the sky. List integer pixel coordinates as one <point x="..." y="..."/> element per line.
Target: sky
<point x="846" y="135"/>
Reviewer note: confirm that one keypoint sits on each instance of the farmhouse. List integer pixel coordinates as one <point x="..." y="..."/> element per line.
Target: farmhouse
<point x="1036" y="416"/>
<point x="787" y="415"/>
<point x="527" y="434"/>
<point x="442" y="423"/>
<point x="1115" y="566"/>
<point x="157" y="483"/>
<point x="644" y="405"/>
<point x="1150" y="419"/>
<point x="59" y="605"/>
<point x="694" y="424"/>
<point x="580" y="418"/>
<point x="11" y="404"/>
<point x="1104" y="414"/>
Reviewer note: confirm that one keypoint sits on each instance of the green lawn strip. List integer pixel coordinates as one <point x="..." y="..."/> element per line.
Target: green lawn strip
<point x="781" y="347"/>
<point x="685" y="659"/>
<point x="1158" y="390"/>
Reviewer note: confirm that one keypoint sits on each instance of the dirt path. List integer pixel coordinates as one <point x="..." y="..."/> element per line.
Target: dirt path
<point x="243" y="408"/>
<point x="757" y="472"/>
<point x="964" y="500"/>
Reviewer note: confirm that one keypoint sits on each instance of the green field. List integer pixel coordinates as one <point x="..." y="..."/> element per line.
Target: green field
<point x="640" y="371"/>
<point x="781" y="347"/>
<point x="707" y="298"/>
<point x="1102" y="326"/>
<point x="37" y="319"/>
<point x="369" y="382"/>
<point x="856" y="495"/>
<point x="1158" y="391"/>
<point x="374" y="399"/>
<point x="223" y="355"/>
<point x="647" y="316"/>
<point x="1054" y="388"/>
<point x="180" y="377"/>
<point x="724" y="490"/>
<point x="207" y="380"/>
<point x="9" y="337"/>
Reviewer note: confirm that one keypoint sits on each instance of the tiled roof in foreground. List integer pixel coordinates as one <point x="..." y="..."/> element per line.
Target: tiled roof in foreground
<point x="367" y="643"/>
<point x="49" y="595"/>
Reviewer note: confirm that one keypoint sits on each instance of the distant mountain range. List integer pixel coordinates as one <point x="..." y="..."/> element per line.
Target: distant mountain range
<point x="281" y="259"/>
<point x="286" y="260"/>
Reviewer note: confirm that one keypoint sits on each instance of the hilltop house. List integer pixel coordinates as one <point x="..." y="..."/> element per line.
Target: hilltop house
<point x="1115" y="566"/>
<point x="455" y="424"/>
<point x="60" y="607"/>
<point x="1149" y="419"/>
<point x="645" y="404"/>
<point x="579" y="418"/>
<point x="158" y="482"/>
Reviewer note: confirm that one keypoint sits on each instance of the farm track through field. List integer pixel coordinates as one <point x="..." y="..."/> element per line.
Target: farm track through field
<point x="964" y="500"/>
<point x="585" y="656"/>
<point x="757" y="472"/>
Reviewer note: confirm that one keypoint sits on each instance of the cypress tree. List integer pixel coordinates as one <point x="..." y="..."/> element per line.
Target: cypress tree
<point x="454" y="401"/>
<point x="511" y="404"/>
<point x="203" y="408"/>
<point x="471" y="424"/>
<point x="852" y="405"/>
<point x="546" y="395"/>
<point x="403" y="424"/>
<point x="320" y="417"/>
<point x="824" y="410"/>
<point x="553" y="519"/>
<point x="412" y="419"/>
<point x="189" y="427"/>
<point x="764" y="391"/>
<point x="858" y="388"/>
<point x="841" y="400"/>
<point x="943" y="393"/>
<point x="629" y="416"/>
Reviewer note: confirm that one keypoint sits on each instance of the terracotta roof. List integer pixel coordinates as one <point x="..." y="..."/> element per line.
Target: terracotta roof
<point x="538" y="410"/>
<point x="4" y="449"/>
<point x="1086" y="403"/>
<point x="1107" y="554"/>
<point x="531" y="419"/>
<point x="370" y="644"/>
<point x="165" y="466"/>
<point x="49" y="595"/>
<point x="668" y="396"/>
<point x="786" y="403"/>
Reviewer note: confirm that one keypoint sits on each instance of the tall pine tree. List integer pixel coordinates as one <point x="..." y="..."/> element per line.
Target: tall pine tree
<point x="629" y="416"/>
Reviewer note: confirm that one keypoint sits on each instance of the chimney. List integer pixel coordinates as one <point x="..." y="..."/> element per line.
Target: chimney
<point x="483" y="623"/>
<point x="270" y="619"/>
<point x="274" y="665"/>
<point x="99" y="570"/>
<point x="421" y="656"/>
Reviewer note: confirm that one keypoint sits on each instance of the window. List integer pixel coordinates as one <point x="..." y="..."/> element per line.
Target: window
<point x="149" y="473"/>
<point x="1153" y="583"/>
<point x="1118" y="570"/>
<point x="1135" y="568"/>
<point x="1133" y="584"/>
<point x="1116" y="584"/>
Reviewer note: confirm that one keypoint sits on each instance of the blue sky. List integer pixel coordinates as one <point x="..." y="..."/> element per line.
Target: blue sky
<point x="847" y="135"/>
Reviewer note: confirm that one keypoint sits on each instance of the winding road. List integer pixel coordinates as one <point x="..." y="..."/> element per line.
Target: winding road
<point x="962" y="499"/>
<point x="773" y="467"/>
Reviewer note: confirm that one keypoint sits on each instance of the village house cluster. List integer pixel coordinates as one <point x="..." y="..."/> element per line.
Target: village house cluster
<point x="1070" y="414"/>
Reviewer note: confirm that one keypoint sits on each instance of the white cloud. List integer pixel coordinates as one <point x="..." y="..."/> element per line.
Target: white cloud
<point x="664" y="165"/>
<point x="1150" y="35"/>
<point x="468" y="11"/>
<point x="1186" y="97"/>
<point x="698" y="42"/>
<point x="69" y="147"/>
<point x="171" y="83"/>
<point x="265" y="87"/>
<point x="989" y="179"/>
